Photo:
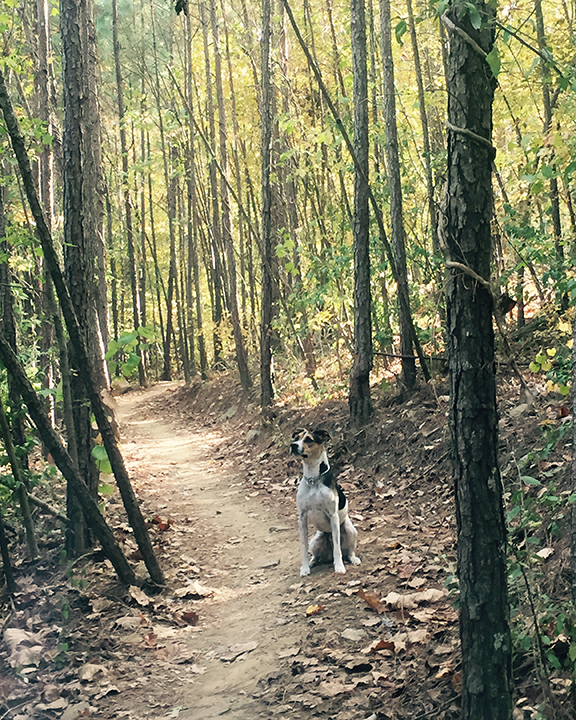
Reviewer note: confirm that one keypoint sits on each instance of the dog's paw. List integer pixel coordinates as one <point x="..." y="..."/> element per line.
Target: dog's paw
<point x="340" y="569"/>
<point x="355" y="560"/>
<point x="304" y="571"/>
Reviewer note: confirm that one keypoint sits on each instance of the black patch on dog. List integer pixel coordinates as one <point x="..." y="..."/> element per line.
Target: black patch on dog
<point x="341" y="497"/>
<point x="320" y="436"/>
<point x="327" y="475"/>
<point x="323" y="468"/>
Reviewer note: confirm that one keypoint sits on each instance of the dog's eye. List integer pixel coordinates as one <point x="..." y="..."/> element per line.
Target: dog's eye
<point x="308" y="441"/>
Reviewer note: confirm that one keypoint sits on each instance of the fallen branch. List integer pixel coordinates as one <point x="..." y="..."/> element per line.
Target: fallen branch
<point x="47" y="508"/>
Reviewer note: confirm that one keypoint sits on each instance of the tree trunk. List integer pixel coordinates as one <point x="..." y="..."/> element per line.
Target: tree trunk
<point x="245" y="379"/>
<point x="127" y="199"/>
<point x="6" y="564"/>
<point x="216" y="232"/>
<point x="433" y="215"/>
<point x="80" y="209"/>
<point x="49" y="437"/>
<point x="22" y="493"/>
<point x="44" y="101"/>
<point x="545" y="73"/>
<point x="87" y="372"/>
<point x="466" y="239"/>
<point x="266" y="388"/>
<point x="359" y="399"/>
<point x="395" y="189"/>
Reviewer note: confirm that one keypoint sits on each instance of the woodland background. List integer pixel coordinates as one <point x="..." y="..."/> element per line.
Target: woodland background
<point x="189" y="166"/>
<point x="179" y="231"/>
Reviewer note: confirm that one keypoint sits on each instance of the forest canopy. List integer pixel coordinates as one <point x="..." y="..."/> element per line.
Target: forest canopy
<point x="180" y="102"/>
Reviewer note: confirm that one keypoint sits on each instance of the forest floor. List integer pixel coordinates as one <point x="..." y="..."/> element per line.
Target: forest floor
<point x="237" y="633"/>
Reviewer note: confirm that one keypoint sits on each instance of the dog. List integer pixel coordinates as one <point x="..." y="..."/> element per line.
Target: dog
<point x="322" y="503"/>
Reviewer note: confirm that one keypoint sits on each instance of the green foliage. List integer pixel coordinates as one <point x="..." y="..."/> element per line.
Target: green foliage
<point x="101" y="459"/>
<point x="556" y="362"/>
<point x="123" y="353"/>
<point x="541" y="626"/>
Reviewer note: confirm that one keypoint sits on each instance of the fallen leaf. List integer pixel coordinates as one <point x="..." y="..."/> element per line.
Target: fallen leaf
<point x="176" y="653"/>
<point x="163" y="524"/>
<point x="329" y="689"/>
<point x="129" y="622"/>
<point x="90" y="671"/>
<point x="377" y="646"/>
<point x="314" y="610"/>
<point x="289" y="652"/>
<point x="190" y="617"/>
<point x="417" y="636"/>
<point x="353" y="634"/>
<point x="400" y="602"/>
<point x="457" y="682"/>
<point x="150" y="639"/>
<point x="372" y="600"/>
<point x="194" y="590"/>
<point x="236" y="651"/>
<point x="139" y="596"/>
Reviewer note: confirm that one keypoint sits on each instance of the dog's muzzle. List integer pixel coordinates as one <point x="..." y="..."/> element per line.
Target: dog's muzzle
<point x="295" y="449"/>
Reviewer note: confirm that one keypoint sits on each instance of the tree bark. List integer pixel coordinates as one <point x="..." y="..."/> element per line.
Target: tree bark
<point x="126" y="191"/>
<point x="545" y="74"/>
<point x="266" y="387"/>
<point x="86" y="370"/>
<point x="465" y="237"/>
<point x="65" y="464"/>
<point x="395" y="189"/>
<point x="359" y="399"/>
<point x="216" y="230"/>
<point x="21" y="491"/>
<point x="80" y="225"/>
<point x="245" y="379"/>
<point x="433" y="215"/>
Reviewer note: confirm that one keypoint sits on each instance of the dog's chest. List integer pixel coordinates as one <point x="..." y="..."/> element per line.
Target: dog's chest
<point x="318" y="502"/>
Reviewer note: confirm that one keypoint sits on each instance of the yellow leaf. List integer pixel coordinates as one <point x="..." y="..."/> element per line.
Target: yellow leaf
<point x="551" y="352"/>
<point x="314" y="610"/>
<point x="570" y="343"/>
<point x="563" y="326"/>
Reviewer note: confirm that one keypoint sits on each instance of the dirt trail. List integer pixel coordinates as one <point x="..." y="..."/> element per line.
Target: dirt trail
<point x="240" y="547"/>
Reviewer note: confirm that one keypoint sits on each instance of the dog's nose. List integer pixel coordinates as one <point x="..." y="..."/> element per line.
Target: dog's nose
<point x="294" y="448"/>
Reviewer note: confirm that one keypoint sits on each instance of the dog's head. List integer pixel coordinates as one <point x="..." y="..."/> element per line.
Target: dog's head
<point x="308" y="444"/>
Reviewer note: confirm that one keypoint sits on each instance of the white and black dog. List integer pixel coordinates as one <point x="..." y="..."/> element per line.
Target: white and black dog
<point x="322" y="503"/>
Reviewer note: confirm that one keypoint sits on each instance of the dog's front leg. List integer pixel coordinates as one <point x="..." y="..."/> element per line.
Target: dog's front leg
<point x="303" y="528"/>
<point x="337" y="549"/>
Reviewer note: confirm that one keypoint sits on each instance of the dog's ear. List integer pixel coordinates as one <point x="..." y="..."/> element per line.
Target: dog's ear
<point x="296" y="433"/>
<point x="321" y="436"/>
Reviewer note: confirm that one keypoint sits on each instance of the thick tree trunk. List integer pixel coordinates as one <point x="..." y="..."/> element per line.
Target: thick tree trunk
<point x="465" y="236"/>
<point x="359" y="399"/>
<point x="80" y="208"/>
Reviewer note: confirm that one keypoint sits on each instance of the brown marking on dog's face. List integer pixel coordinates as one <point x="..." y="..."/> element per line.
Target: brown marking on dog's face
<point x="308" y="444"/>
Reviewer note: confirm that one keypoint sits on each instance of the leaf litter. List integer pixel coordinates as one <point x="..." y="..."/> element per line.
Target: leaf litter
<point x="371" y="638"/>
